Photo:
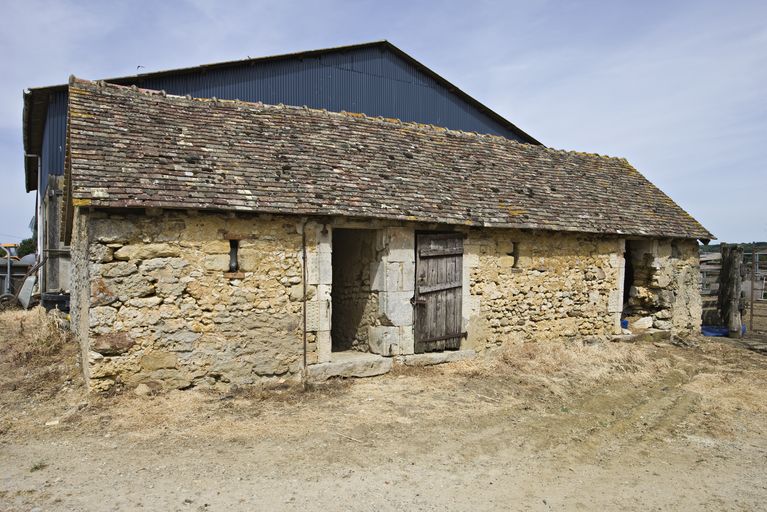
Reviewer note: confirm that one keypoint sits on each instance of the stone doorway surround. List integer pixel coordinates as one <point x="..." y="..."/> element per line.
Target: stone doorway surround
<point x="392" y="278"/>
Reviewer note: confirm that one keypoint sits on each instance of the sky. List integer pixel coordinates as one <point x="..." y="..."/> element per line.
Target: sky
<point x="679" y="88"/>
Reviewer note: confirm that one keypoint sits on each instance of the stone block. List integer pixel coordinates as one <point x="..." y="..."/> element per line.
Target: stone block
<point x="133" y="286"/>
<point x="158" y="360"/>
<point x="384" y="340"/>
<point x="432" y="358"/>
<point x="324" y="292"/>
<point x="324" y="346"/>
<point x="216" y="262"/>
<point x="319" y="268"/>
<point x="470" y="259"/>
<point x="102" y="316"/>
<point x="216" y="247"/>
<point x="615" y="302"/>
<point x="145" y="302"/>
<point x="325" y="268"/>
<point x="155" y="264"/>
<point x="326" y="310"/>
<point x="145" y="251"/>
<point x="506" y="261"/>
<point x="321" y="236"/>
<point x="113" y="230"/>
<point x="408" y="276"/>
<point x="378" y="276"/>
<point x="112" y="344"/>
<point x="393" y="276"/>
<point x="118" y="269"/>
<point x="406" y="340"/>
<point x="404" y="255"/>
<point x="363" y="365"/>
<point x="318" y="315"/>
<point x="100" y="253"/>
<point x="400" y="244"/>
<point x="395" y="308"/>
<point x="101" y="293"/>
<point x="312" y="268"/>
<point x="641" y="324"/>
<point x="312" y="315"/>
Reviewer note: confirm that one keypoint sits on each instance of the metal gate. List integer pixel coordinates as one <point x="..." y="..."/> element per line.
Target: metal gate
<point x="439" y="268"/>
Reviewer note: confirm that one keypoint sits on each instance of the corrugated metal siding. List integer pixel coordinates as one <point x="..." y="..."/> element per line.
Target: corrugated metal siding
<point x="54" y="138"/>
<point x="373" y="81"/>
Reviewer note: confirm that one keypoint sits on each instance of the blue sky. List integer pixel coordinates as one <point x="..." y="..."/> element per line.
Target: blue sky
<point x="678" y="88"/>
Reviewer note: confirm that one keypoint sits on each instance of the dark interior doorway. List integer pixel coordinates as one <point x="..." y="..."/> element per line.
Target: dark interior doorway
<point x="628" y="277"/>
<point x="355" y="305"/>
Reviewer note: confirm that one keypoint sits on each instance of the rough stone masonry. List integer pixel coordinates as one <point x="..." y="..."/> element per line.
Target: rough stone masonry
<point x="156" y="304"/>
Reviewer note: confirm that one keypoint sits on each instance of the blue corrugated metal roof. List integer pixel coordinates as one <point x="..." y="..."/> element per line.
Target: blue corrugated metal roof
<point x="375" y="79"/>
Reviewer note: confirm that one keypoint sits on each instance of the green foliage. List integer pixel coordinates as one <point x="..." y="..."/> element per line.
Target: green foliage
<point x="27" y="246"/>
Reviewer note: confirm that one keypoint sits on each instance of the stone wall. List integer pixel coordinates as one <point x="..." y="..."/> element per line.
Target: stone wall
<point x="154" y="302"/>
<point x="665" y="287"/>
<point x="549" y="286"/>
<point x="687" y="307"/>
<point x="355" y="305"/>
<point x="163" y="309"/>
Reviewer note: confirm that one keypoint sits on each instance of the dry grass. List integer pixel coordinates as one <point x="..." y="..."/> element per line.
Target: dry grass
<point x="579" y="361"/>
<point x="37" y="356"/>
<point x="560" y="366"/>
<point x="31" y="336"/>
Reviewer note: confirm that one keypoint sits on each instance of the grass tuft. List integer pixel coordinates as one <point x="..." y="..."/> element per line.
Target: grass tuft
<point x="37" y="466"/>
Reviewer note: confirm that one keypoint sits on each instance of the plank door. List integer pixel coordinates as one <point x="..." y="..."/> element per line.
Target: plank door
<point x="439" y="267"/>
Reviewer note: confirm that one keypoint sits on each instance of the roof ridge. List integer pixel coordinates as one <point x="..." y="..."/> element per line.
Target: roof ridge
<point x="102" y="84"/>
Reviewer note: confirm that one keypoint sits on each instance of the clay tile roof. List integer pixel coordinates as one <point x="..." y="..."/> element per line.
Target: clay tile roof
<point x="130" y="147"/>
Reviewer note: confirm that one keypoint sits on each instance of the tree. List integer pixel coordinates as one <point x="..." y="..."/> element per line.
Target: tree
<point x="27" y="246"/>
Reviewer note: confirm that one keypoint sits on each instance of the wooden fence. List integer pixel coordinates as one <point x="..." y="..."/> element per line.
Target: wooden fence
<point x="760" y="315"/>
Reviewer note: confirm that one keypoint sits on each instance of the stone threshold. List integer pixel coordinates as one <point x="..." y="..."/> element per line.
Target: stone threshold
<point x="432" y="358"/>
<point x="651" y="335"/>
<point x="350" y="364"/>
<point x="361" y="364"/>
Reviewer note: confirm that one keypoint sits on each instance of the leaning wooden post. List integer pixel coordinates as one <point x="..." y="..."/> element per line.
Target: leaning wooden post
<point x="730" y="286"/>
<point x="753" y="285"/>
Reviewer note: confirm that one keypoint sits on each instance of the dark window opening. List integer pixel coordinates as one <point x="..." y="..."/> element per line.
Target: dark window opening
<point x="234" y="264"/>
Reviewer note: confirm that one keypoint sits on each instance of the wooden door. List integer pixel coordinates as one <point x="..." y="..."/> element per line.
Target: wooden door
<point x="439" y="268"/>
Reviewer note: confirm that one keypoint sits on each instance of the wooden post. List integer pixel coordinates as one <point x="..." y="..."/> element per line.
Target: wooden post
<point x="753" y="285"/>
<point x="730" y="288"/>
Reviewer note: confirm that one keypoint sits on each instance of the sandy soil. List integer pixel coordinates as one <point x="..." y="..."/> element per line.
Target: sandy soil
<point x="603" y="427"/>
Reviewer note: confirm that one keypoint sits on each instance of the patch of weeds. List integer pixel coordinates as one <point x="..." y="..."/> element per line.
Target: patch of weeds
<point x="37" y="466"/>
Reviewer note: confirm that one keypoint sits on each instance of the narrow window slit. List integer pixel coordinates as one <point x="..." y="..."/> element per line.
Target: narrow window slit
<point x="234" y="264"/>
<point x="515" y="254"/>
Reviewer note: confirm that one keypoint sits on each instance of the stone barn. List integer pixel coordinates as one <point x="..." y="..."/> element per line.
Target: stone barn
<point x="221" y="242"/>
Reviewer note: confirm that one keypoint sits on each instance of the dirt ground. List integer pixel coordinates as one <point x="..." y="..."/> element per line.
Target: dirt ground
<point x="536" y="426"/>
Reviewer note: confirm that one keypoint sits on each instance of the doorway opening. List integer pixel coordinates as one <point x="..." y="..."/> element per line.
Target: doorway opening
<point x="354" y="303"/>
<point x="646" y="299"/>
